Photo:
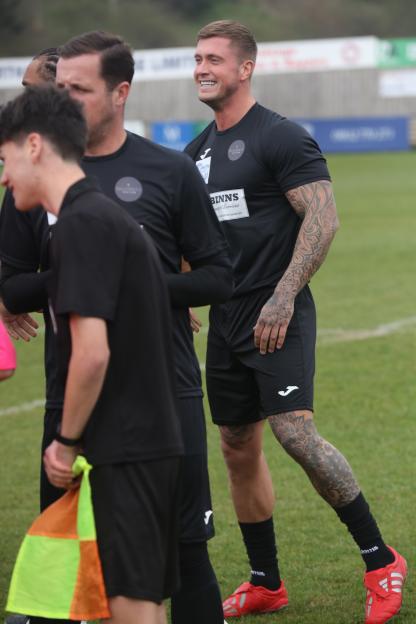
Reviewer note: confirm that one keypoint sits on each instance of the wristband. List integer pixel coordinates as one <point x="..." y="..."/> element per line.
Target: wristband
<point x="67" y="441"/>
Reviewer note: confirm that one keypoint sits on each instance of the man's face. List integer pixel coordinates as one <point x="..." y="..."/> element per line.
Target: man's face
<point x="18" y="174"/>
<point x="81" y="76"/>
<point x="218" y="71"/>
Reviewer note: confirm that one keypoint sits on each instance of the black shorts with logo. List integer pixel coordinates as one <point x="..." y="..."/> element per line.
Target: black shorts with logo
<point x="136" y="516"/>
<point x="196" y="519"/>
<point x="244" y="386"/>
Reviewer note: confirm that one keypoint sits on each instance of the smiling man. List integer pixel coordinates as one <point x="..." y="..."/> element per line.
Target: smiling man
<point x="271" y="191"/>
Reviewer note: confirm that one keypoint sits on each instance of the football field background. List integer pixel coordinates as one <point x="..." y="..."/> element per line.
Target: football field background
<point x="365" y="404"/>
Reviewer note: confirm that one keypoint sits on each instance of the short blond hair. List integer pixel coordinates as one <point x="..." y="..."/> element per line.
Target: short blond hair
<point x="238" y="34"/>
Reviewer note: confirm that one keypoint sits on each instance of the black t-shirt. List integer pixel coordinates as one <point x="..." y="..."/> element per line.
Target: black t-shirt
<point x="162" y="190"/>
<point x="104" y="266"/>
<point x="248" y="169"/>
<point x="24" y="238"/>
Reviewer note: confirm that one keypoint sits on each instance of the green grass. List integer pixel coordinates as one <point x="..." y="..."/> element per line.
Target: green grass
<point x="365" y="398"/>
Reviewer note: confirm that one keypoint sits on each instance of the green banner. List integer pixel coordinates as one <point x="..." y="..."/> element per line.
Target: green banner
<point x="397" y="53"/>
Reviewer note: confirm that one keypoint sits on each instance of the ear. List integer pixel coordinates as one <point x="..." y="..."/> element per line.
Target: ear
<point x="121" y="93"/>
<point x="246" y="70"/>
<point x="34" y="145"/>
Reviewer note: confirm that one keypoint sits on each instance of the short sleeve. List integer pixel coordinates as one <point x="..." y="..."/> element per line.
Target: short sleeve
<point x="18" y="246"/>
<point x="87" y="266"/>
<point x="294" y="156"/>
<point x="197" y="227"/>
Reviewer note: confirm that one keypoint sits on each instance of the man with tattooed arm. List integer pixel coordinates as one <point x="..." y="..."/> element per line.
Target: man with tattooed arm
<point x="271" y="191"/>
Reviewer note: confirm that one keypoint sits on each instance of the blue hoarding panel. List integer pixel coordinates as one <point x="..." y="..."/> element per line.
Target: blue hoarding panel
<point x="373" y="134"/>
<point x="173" y="134"/>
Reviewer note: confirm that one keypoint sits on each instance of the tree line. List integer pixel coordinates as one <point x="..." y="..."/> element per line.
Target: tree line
<point x="27" y="26"/>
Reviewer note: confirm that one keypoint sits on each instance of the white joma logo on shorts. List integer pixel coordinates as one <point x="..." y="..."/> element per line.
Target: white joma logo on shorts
<point x="288" y="390"/>
<point x="208" y="514"/>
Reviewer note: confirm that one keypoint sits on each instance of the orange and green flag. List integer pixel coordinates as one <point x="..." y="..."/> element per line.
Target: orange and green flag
<point x="58" y="570"/>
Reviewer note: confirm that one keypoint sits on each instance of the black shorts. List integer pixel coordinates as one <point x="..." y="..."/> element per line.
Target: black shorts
<point x="136" y="517"/>
<point x="244" y="386"/>
<point x="195" y="520"/>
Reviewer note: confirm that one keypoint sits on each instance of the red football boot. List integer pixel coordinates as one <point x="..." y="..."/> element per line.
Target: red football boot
<point x="254" y="599"/>
<point x="384" y="590"/>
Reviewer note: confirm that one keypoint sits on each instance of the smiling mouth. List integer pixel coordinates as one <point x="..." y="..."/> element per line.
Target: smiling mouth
<point x="207" y="83"/>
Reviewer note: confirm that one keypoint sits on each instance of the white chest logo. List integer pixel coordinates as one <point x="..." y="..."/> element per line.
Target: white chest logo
<point x="205" y="154"/>
<point x="230" y="204"/>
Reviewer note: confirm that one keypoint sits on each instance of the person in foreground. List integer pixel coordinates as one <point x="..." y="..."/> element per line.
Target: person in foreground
<point x="271" y="190"/>
<point x="164" y="193"/>
<point x="110" y="310"/>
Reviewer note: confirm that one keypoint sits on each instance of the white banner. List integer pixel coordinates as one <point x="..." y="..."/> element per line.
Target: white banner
<point x="273" y="58"/>
<point x="399" y="83"/>
<point x="12" y="70"/>
<point x="317" y="55"/>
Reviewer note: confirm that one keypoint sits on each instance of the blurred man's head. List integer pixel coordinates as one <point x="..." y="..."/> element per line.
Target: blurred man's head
<point x="97" y="69"/>
<point x="42" y="68"/>
<point x="41" y="126"/>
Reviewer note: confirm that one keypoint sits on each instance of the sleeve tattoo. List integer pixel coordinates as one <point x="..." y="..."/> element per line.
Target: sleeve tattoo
<point x="314" y="203"/>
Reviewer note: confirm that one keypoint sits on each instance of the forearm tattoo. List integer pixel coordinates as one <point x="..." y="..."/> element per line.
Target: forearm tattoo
<point x="315" y="204"/>
<point x="325" y="466"/>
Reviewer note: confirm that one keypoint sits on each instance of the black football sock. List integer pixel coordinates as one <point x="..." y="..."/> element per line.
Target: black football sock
<point x="260" y="543"/>
<point x="198" y="598"/>
<point x="363" y="528"/>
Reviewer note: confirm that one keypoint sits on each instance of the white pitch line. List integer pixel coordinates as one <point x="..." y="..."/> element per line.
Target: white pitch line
<point x="325" y="336"/>
<point x="23" y="407"/>
<point x="329" y="336"/>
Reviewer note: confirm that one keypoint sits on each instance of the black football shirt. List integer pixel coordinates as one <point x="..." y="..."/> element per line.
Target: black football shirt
<point x="248" y="168"/>
<point x="24" y="238"/>
<point x="162" y="190"/>
<point x="104" y="266"/>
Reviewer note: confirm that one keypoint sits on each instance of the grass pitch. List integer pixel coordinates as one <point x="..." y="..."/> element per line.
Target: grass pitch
<point x="365" y="405"/>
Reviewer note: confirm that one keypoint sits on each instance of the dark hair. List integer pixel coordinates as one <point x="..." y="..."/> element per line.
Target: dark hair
<point x="52" y="113"/>
<point x="239" y="35"/>
<point x="117" y="63"/>
<point x="47" y="67"/>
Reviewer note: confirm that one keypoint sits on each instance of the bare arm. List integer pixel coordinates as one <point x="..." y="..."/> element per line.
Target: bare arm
<point x="87" y="368"/>
<point x="18" y="325"/>
<point x="315" y="204"/>
<point x="21" y="292"/>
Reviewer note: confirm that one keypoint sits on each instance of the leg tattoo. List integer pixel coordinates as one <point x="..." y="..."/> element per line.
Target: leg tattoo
<point x="237" y="436"/>
<point x="326" y="467"/>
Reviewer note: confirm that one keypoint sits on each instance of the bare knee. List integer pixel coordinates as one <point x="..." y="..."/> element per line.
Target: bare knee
<point x="241" y="445"/>
<point x="297" y="433"/>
